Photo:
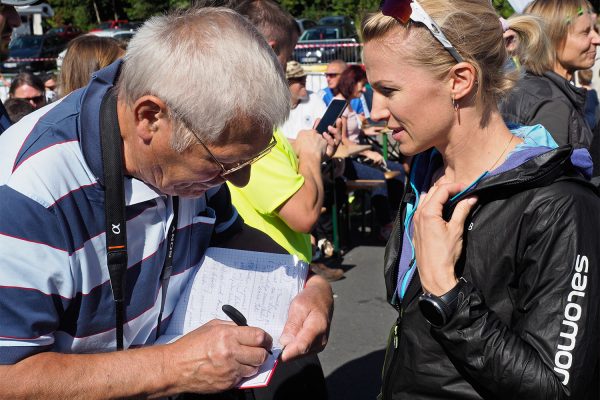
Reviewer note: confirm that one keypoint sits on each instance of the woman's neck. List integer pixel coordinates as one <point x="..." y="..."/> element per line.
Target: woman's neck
<point x="472" y="150"/>
<point x="562" y="71"/>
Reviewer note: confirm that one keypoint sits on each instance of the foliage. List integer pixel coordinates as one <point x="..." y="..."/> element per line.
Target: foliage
<point x="503" y="8"/>
<point x="86" y="13"/>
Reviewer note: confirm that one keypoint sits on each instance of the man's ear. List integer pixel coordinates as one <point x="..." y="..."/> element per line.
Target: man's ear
<point x="463" y="81"/>
<point x="150" y="114"/>
<point x="274" y="46"/>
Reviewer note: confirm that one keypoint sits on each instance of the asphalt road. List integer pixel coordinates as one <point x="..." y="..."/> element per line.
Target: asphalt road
<point x="354" y="355"/>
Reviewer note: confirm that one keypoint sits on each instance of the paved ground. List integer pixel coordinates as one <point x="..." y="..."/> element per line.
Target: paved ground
<point x="353" y="358"/>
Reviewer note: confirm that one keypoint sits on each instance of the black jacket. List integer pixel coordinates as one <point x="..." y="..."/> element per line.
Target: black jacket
<point x="552" y="101"/>
<point x="530" y="255"/>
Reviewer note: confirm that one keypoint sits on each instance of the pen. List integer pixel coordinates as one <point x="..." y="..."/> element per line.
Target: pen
<point x="237" y="317"/>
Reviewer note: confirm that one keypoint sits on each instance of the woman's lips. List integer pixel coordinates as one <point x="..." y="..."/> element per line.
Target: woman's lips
<point x="397" y="133"/>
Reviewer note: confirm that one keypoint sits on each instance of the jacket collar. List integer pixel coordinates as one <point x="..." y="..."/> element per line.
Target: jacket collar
<point x="574" y="94"/>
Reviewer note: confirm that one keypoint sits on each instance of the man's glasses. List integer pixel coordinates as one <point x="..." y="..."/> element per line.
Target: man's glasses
<point x="405" y="10"/>
<point x="225" y="171"/>
<point x="242" y="164"/>
<point x="332" y="74"/>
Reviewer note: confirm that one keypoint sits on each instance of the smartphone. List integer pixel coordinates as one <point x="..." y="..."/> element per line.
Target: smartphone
<point x="333" y="112"/>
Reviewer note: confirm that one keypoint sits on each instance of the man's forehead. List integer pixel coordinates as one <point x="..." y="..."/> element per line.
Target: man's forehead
<point x="335" y="67"/>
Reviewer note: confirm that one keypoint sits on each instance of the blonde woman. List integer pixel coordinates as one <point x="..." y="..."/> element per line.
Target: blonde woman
<point x="491" y="262"/>
<point x="546" y="94"/>
<point x="86" y="55"/>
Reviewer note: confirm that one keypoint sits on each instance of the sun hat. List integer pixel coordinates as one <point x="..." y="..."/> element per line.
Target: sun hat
<point x="294" y="70"/>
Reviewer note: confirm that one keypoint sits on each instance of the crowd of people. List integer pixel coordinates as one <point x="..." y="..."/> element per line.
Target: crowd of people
<point x="202" y="133"/>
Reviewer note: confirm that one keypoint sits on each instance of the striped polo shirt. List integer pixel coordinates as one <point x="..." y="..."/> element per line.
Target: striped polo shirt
<point x="55" y="290"/>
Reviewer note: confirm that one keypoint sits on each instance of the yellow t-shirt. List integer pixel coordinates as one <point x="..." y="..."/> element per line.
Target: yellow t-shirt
<point x="273" y="180"/>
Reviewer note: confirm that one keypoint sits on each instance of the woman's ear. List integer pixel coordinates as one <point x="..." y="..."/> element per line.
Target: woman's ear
<point x="464" y="80"/>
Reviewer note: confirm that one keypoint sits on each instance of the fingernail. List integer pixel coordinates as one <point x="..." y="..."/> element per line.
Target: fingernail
<point x="472" y="200"/>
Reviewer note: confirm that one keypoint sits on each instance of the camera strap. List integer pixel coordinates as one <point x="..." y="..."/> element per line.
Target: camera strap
<point x="114" y="208"/>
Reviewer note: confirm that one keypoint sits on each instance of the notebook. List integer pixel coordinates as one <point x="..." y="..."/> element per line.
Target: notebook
<point x="260" y="285"/>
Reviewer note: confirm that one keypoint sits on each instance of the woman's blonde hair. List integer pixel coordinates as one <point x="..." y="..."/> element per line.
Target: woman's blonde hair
<point x="471" y="26"/>
<point x="86" y="55"/>
<point x="558" y="16"/>
<point x="533" y="49"/>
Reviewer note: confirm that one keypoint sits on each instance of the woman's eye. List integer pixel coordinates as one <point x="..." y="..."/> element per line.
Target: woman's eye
<point x="387" y="92"/>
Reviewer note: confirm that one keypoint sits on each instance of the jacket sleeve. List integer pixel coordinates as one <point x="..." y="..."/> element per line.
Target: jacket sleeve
<point x="549" y="348"/>
<point x="554" y="115"/>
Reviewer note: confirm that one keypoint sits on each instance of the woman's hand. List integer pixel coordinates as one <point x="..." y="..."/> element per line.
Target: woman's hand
<point x="373" y="156"/>
<point x="373" y="130"/>
<point x="438" y="244"/>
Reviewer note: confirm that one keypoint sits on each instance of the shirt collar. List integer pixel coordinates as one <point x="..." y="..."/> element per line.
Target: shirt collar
<point x="137" y="192"/>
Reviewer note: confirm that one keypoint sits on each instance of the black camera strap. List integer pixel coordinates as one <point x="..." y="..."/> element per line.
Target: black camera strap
<point x="114" y="207"/>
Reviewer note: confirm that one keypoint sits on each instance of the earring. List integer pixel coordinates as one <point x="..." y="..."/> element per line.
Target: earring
<point x="455" y="104"/>
<point x="456" y="108"/>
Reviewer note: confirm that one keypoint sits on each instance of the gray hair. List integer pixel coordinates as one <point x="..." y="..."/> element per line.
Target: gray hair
<point x="211" y="67"/>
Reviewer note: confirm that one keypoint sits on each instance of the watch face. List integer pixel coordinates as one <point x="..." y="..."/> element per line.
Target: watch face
<point x="432" y="311"/>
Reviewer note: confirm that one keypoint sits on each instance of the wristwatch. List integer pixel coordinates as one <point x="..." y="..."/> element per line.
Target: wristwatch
<point x="438" y="310"/>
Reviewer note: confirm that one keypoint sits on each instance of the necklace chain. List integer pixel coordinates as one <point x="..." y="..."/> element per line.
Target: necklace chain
<point x="501" y="154"/>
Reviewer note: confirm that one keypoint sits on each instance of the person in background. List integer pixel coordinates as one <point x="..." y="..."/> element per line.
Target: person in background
<point x="332" y="75"/>
<point x="592" y="106"/>
<point x="491" y="265"/>
<point x="50" y="85"/>
<point x="306" y="106"/>
<point x="369" y="164"/>
<point x="546" y="94"/>
<point x="17" y="109"/>
<point x="9" y="19"/>
<point x="85" y="55"/>
<point x="29" y="87"/>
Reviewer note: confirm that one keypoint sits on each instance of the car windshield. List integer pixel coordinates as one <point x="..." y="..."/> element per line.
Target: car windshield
<point x="320" y="34"/>
<point x="25" y="42"/>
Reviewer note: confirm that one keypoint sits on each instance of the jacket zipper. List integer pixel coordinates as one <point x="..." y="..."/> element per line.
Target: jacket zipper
<point x="386" y="392"/>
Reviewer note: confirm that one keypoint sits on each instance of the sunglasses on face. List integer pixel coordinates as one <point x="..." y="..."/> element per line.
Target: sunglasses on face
<point x="332" y="74"/>
<point x="410" y="10"/>
<point x="36" y="99"/>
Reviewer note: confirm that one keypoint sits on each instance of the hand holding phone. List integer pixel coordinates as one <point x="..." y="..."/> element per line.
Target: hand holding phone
<point x="333" y="112"/>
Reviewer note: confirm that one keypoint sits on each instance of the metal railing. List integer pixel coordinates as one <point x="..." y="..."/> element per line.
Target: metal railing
<point x="325" y="51"/>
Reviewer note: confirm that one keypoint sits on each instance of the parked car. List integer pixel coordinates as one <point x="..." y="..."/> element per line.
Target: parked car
<point x="34" y="53"/>
<point x="67" y="32"/>
<point x="323" y="44"/>
<point x="119" y="34"/>
<point x="337" y="20"/>
<point x="305" y="23"/>
<point x="110" y="24"/>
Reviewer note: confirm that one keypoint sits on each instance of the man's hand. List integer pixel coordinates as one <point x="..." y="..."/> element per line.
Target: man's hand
<point x="309" y="318"/>
<point x="333" y="138"/>
<point x="216" y="356"/>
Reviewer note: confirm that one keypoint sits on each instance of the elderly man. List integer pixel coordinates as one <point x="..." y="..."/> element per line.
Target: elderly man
<point x="9" y="19"/>
<point x="306" y="105"/>
<point x="97" y="176"/>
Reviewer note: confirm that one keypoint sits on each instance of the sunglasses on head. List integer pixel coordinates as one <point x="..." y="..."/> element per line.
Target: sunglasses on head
<point x="405" y="10"/>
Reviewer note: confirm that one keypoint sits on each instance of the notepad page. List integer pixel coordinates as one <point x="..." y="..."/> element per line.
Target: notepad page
<point x="260" y="285"/>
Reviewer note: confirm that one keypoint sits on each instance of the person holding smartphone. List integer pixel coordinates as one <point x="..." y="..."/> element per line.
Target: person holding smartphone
<point x="492" y="262"/>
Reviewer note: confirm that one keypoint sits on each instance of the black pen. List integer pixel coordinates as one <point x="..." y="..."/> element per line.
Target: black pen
<point x="237" y="317"/>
